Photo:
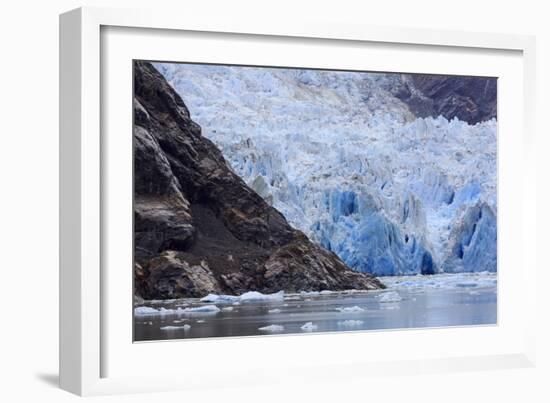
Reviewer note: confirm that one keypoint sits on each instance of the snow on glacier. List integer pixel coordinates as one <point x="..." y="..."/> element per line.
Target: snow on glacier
<point x="347" y="163"/>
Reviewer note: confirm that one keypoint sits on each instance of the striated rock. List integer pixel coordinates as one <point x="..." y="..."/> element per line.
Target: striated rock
<point x="199" y="228"/>
<point x="167" y="277"/>
<point x="300" y="266"/>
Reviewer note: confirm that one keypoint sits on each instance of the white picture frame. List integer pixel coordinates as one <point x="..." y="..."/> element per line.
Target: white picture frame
<point x="85" y="313"/>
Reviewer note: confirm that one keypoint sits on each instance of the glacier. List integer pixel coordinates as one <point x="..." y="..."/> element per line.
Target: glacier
<point x="351" y="166"/>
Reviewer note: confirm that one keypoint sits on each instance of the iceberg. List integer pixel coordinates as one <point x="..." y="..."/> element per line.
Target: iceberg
<point x="351" y="323"/>
<point x="389" y="297"/>
<point x="308" y="327"/>
<point x="219" y="299"/>
<point x="145" y="311"/>
<point x="253" y="296"/>
<point x="150" y="311"/>
<point x="200" y="309"/>
<point x="350" y="309"/>
<point x="272" y="328"/>
<point x="172" y="328"/>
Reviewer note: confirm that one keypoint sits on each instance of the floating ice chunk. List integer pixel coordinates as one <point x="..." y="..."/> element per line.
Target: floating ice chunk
<point x="150" y="311"/>
<point x="350" y="309"/>
<point x="326" y="292"/>
<point x="466" y="284"/>
<point x="258" y="296"/>
<point x="272" y="328"/>
<point x="351" y="323"/>
<point x="200" y="309"/>
<point x="145" y="311"/>
<point x="179" y="320"/>
<point x="309" y="327"/>
<point x="227" y="309"/>
<point x="388" y="297"/>
<point x="354" y="291"/>
<point x="220" y="298"/>
<point x="172" y="328"/>
<point x="161" y="301"/>
<point x="274" y="311"/>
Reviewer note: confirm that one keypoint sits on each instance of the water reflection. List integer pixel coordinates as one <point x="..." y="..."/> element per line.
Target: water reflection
<point x="421" y="305"/>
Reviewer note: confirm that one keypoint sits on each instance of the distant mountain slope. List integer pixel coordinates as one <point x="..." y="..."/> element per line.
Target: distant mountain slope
<point x="199" y="228"/>
<point x="471" y="99"/>
<point x="346" y="159"/>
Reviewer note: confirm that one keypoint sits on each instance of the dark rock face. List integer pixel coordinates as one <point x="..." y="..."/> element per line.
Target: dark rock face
<point x="198" y="227"/>
<point x="471" y="99"/>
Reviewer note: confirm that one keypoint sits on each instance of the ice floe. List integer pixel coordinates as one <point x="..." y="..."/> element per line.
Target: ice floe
<point x="351" y="323"/>
<point x="200" y="309"/>
<point x="308" y="327"/>
<point x="442" y="281"/>
<point x="276" y="310"/>
<point x="272" y="328"/>
<point x="389" y="297"/>
<point x="197" y="310"/>
<point x="220" y="299"/>
<point x="150" y="311"/>
<point x="258" y="296"/>
<point x="145" y="311"/>
<point x="250" y="296"/>
<point x="171" y="328"/>
<point x="350" y="309"/>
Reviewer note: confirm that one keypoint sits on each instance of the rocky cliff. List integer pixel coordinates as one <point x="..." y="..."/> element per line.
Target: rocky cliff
<point x="198" y="227"/>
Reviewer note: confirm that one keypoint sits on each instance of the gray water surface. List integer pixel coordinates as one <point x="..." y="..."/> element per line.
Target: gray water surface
<point x="425" y="301"/>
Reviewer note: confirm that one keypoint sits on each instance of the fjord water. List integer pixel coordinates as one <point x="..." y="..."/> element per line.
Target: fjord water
<point x="409" y="302"/>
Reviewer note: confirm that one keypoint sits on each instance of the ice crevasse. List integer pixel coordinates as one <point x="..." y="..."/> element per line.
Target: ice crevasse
<point x="347" y="163"/>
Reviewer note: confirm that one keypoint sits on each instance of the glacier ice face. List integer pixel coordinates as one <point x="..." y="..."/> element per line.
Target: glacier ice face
<point x="347" y="163"/>
<point x="473" y="241"/>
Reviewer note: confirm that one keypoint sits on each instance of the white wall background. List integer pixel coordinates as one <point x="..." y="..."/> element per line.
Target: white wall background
<point x="29" y="201"/>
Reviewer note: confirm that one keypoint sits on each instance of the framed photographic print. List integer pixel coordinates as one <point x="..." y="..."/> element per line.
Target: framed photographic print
<point x="281" y="200"/>
<point x="256" y="194"/>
